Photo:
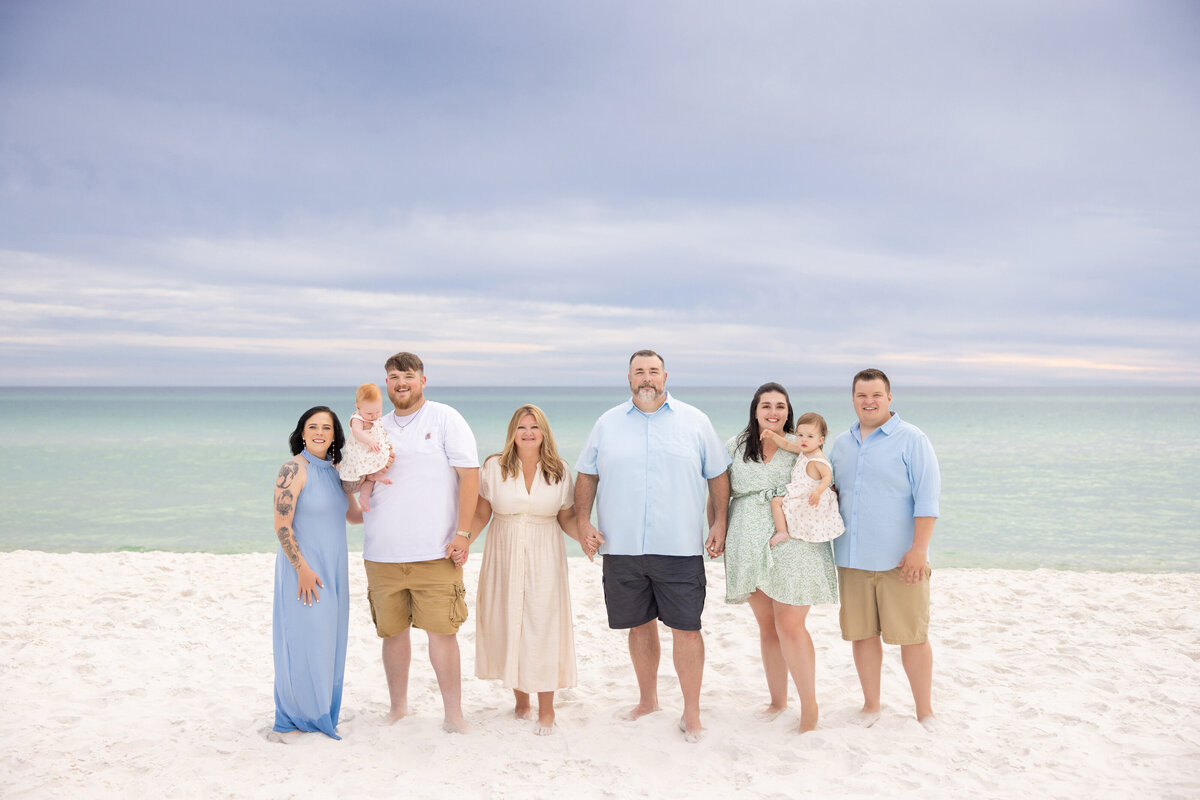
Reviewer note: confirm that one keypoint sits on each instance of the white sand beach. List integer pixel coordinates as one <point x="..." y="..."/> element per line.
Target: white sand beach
<point x="150" y="674"/>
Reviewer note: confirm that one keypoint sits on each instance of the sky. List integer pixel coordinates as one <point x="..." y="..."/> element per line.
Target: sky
<point x="524" y="193"/>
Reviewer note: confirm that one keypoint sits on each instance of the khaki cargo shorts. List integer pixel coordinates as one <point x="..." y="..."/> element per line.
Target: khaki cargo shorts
<point x="424" y="594"/>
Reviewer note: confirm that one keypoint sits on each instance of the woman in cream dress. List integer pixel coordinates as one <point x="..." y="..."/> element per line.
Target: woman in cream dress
<point x="524" y="636"/>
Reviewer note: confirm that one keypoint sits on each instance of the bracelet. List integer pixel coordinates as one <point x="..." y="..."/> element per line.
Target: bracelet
<point x="463" y="533"/>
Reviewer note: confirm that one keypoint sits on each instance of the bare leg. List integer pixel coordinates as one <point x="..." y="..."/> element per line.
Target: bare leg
<point x="918" y="665"/>
<point x="645" y="652"/>
<point x="801" y="658"/>
<point x="364" y="494"/>
<point x="868" y="660"/>
<point x="397" y="655"/>
<point x="443" y="655"/>
<point x="774" y="666"/>
<point x="687" y="651"/>
<point x="522" y="709"/>
<point x="780" y="522"/>
<point x="545" y="723"/>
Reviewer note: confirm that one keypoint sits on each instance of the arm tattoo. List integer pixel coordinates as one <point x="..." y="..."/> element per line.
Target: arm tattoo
<point x="350" y="487"/>
<point x="287" y="541"/>
<point x="283" y="504"/>
<point x="287" y="473"/>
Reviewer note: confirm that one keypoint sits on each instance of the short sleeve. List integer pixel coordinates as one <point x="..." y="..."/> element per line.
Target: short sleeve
<point x="588" y="457"/>
<point x="567" y="487"/>
<point x="485" y="477"/>
<point x="458" y="441"/>
<point x="715" y="457"/>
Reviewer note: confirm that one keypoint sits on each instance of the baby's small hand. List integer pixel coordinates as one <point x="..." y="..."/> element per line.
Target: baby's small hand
<point x="770" y="434"/>
<point x="814" y="498"/>
<point x="374" y="447"/>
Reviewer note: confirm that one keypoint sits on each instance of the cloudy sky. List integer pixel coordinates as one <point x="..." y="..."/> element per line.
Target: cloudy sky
<point x="253" y="193"/>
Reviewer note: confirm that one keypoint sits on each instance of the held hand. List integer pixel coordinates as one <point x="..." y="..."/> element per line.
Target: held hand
<point x="458" y="550"/>
<point x="590" y="540"/>
<point x="913" y="565"/>
<point x="309" y="581"/>
<point x="814" y="498"/>
<point x="715" y="545"/>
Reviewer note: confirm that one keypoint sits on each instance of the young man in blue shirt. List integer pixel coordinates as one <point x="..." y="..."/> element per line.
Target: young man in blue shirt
<point x="888" y="493"/>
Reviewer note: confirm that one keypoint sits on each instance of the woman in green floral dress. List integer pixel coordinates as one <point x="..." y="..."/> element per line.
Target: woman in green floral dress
<point x="779" y="582"/>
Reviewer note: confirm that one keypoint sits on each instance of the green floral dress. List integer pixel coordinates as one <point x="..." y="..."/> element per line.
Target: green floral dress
<point x="794" y="572"/>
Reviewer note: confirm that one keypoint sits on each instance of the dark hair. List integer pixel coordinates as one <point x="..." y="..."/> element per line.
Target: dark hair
<point x="813" y="418"/>
<point x="296" y="440"/>
<point x="871" y="375"/>
<point x="647" y="354"/>
<point x="750" y="436"/>
<point x="404" y="362"/>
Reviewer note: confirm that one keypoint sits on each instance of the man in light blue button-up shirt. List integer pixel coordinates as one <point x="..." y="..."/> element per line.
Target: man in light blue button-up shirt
<point x="889" y="487"/>
<point x="649" y="463"/>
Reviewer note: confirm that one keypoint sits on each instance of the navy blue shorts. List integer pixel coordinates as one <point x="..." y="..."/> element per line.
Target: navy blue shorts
<point x="638" y="589"/>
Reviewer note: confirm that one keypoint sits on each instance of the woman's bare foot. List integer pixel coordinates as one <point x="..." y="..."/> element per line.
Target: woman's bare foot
<point x="283" y="737"/>
<point x="459" y="725"/>
<point x="769" y="712"/>
<point x="691" y="736"/>
<point x="808" y="719"/>
<point x="639" y="711"/>
<point x="395" y="714"/>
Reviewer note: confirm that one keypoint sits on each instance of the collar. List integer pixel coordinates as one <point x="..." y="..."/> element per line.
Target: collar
<point x="667" y="404"/>
<point x="886" y="428"/>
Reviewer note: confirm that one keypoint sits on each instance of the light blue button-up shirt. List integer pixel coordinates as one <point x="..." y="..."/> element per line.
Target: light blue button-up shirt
<point x="653" y="477"/>
<point x="883" y="484"/>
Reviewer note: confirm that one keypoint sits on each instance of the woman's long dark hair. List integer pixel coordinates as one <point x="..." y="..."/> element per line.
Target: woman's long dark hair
<point x="750" y="436"/>
<point x="296" y="440"/>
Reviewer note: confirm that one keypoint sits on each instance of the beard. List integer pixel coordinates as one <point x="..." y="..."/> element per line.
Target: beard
<point x="647" y="394"/>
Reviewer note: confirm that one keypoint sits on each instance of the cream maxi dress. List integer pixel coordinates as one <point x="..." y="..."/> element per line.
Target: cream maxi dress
<point x="524" y="635"/>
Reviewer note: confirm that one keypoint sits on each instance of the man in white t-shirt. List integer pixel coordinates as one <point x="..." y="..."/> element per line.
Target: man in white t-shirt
<point x="416" y="536"/>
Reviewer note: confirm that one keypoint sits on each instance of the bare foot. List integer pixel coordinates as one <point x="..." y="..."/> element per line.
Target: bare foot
<point x="690" y="736"/>
<point x="459" y="725"/>
<point x="769" y="712"/>
<point x="283" y="737"/>
<point x="524" y="711"/>
<point x="808" y="720"/>
<point x="395" y="714"/>
<point x="930" y="723"/>
<point x="864" y="718"/>
<point x="545" y="723"/>
<point x="639" y="711"/>
<point x="781" y="536"/>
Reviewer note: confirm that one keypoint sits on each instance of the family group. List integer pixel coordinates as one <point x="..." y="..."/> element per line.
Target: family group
<point x="795" y="530"/>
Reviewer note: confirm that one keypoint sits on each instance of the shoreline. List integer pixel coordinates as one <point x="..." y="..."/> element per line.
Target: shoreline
<point x="151" y="671"/>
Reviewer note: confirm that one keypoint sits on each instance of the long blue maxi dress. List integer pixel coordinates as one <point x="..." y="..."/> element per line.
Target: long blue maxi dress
<point x="310" y="641"/>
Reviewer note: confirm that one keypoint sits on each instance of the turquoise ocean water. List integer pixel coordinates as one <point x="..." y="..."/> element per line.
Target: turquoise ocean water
<point x="1079" y="478"/>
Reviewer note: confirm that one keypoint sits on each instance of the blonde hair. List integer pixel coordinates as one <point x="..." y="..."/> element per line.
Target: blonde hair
<point x="368" y="392"/>
<point x="813" y="418"/>
<point x="510" y="463"/>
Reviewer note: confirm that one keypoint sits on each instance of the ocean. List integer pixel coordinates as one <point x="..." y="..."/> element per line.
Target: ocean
<point x="1066" y="478"/>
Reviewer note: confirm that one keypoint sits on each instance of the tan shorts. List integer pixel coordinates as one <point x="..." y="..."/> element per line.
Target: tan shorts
<point x="882" y="604"/>
<point x="424" y="594"/>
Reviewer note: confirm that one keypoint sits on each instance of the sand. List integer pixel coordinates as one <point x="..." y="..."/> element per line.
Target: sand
<point x="149" y="674"/>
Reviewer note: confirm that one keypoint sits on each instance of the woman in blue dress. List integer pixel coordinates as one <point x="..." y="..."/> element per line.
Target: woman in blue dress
<point x="312" y="604"/>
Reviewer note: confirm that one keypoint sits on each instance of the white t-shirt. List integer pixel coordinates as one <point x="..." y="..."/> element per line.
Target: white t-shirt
<point x="415" y="517"/>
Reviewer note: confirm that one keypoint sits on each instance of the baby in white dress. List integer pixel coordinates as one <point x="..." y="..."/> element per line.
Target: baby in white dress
<point x="809" y="511"/>
<point x="368" y="449"/>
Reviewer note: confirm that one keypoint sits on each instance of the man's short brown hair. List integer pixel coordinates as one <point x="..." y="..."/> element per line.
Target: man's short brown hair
<point x="871" y="375"/>
<point x="404" y="362"/>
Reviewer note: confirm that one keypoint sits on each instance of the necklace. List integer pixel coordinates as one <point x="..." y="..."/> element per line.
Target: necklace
<point x="411" y="420"/>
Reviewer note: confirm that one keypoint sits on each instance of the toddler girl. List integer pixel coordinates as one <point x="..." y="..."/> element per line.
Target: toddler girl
<point x="809" y="511"/>
<point x="367" y="449"/>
